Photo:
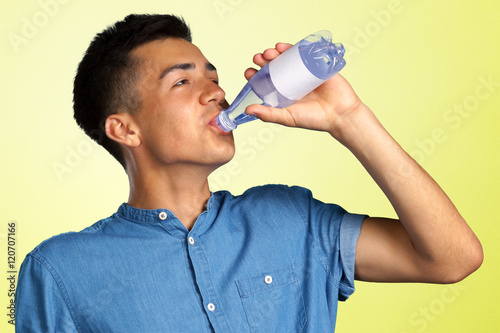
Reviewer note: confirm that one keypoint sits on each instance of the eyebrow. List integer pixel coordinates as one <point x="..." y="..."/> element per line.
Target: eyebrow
<point x="185" y="67"/>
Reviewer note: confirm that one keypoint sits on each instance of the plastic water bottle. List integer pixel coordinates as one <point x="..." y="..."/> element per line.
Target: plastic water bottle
<point x="287" y="78"/>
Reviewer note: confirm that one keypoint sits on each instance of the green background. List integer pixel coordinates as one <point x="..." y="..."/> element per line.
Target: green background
<point x="428" y="69"/>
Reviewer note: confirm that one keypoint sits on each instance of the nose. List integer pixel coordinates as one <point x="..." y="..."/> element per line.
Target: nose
<point x="212" y="93"/>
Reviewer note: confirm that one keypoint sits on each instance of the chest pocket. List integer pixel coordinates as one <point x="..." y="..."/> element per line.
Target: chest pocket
<point x="273" y="301"/>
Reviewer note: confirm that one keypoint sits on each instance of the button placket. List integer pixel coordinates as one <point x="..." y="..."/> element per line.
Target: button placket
<point x="202" y="275"/>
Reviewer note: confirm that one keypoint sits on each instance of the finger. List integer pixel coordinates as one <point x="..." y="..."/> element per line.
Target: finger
<point x="270" y="54"/>
<point x="282" y="47"/>
<point x="259" y="59"/>
<point x="269" y="114"/>
<point x="249" y="72"/>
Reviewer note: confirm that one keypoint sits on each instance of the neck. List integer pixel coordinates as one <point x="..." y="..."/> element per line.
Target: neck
<point x="181" y="189"/>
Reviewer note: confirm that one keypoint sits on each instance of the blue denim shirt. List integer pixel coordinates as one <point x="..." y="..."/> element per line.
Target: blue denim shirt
<point x="271" y="260"/>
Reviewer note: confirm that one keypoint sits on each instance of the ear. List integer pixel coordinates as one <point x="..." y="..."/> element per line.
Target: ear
<point x="120" y="127"/>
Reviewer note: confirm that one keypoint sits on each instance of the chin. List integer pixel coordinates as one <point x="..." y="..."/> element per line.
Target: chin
<point x="224" y="158"/>
<point x="228" y="157"/>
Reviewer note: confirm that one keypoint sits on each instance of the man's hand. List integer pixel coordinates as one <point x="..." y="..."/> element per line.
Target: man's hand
<point x="321" y="110"/>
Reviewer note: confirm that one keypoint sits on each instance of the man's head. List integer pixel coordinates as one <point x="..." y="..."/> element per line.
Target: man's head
<point x="107" y="76"/>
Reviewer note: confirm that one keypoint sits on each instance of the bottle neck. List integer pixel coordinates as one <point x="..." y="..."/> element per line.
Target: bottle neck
<point x="224" y="123"/>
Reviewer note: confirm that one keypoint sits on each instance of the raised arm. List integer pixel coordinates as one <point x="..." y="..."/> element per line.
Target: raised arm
<point x="430" y="242"/>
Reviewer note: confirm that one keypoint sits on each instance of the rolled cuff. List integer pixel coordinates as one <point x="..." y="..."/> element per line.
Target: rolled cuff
<point x="349" y="233"/>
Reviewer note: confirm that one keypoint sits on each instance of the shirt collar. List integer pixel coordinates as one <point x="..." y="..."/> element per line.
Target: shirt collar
<point x="144" y="215"/>
<point x="169" y="221"/>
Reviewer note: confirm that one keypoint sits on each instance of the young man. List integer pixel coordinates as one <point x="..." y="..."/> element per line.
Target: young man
<point x="178" y="258"/>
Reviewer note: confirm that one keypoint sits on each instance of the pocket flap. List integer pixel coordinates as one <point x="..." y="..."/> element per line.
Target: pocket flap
<point x="266" y="281"/>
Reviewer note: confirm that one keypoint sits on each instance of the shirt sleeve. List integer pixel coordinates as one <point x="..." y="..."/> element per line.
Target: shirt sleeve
<point x="335" y="233"/>
<point x="40" y="305"/>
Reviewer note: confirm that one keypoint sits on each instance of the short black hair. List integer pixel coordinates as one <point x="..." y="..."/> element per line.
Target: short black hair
<point x="106" y="78"/>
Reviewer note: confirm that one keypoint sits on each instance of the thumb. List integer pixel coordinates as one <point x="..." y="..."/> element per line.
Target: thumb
<point x="269" y="114"/>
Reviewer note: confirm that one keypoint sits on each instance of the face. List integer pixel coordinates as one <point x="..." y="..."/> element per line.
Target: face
<point x="180" y="97"/>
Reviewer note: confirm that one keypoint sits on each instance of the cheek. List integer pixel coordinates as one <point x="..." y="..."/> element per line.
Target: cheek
<point x="177" y="134"/>
<point x="170" y="124"/>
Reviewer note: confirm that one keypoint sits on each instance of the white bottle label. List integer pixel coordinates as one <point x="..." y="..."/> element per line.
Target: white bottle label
<point x="290" y="76"/>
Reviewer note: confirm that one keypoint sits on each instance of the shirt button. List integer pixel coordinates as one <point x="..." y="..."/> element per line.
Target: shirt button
<point x="162" y="216"/>
<point x="268" y="279"/>
<point x="191" y="241"/>
<point x="211" y="307"/>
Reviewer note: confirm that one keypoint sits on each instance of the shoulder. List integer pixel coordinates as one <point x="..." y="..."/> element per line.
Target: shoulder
<point x="273" y="192"/>
<point x="68" y="243"/>
<point x="295" y="199"/>
<point x="274" y="202"/>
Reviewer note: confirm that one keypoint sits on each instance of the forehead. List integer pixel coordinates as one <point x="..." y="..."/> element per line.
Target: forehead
<point x="168" y="51"/>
